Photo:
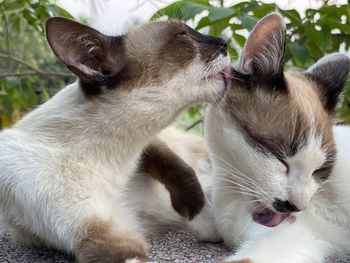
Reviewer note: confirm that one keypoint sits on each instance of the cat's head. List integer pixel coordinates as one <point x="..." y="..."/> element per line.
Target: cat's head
<point x="152" y="63"/>
<point x="272" y="134"/>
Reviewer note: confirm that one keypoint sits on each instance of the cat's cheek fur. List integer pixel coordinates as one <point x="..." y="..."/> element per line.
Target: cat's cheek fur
<point x="288" y="243"/>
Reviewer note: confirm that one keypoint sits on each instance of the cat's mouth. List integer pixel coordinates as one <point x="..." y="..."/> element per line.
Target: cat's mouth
<point x="268" y="217"/>
<point x="224" y="75"/>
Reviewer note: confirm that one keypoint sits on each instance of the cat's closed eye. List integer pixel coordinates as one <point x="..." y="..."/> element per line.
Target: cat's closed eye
<point x="285" y="164"/>
<point x="181" y="33"/>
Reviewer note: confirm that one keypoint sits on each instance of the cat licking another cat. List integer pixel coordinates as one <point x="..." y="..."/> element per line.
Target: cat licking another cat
<point x="64" y="167"/>
<point x="86" y="172"/>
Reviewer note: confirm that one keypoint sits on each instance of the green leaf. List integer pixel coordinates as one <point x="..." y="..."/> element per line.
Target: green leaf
<point x="15" y="5"/>
<point x="239" y="39"/>
<point x="171" y="11"/>
<point x="203" y="23"/>
<point x="334" y="23"/>
<point x="7" y="106"/>
<point x="312" y="33"/>
<point x="16" y="24"/>
<point x="190" y="10"/>
<point x="299" y="52"/>
<point x="316" y="51"/>
<point x="224" y="22"/>
<point x="44" y="94"/>
<point x="235" y="27"/>
<point x="58" y="11"/>
<point x="248" y="22"/>
<point x="264" y="9"/>
<point x="218" y="13"/>
<point x="182" y="10"/>
<point x="325" y="37"/>
<point x="293" y="16"/>
<point x="245" y="7"/>
<point x="218" y="27"/>
<point x="233" y="53"/>
<point x="42" y="13"/>
<point x="202" y="2"/>
<point x="30" y="17"/>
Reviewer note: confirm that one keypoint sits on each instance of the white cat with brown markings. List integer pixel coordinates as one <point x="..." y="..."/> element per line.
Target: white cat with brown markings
<point x="279" y="166"/>
<point x="64" y="166"/>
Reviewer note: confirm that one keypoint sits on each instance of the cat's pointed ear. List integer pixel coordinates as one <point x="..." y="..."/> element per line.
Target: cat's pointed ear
<point x="89" y="54"/>
<point x="263" y="53"/>
<point x="331" y="72"/>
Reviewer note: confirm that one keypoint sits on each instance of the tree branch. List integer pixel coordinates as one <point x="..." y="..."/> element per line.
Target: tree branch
<point x="32" y="73"/>
<point x="20" y="61"/>
<point x="35" y="70"/>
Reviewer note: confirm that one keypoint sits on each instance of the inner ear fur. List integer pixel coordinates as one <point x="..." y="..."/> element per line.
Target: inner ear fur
<point x="164" y="165"/>
<point x="94" y="57"/>
<point x="263" y="53"/>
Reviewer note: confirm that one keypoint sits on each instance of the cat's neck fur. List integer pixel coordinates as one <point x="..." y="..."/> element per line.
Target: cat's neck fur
<point x="89" y="126"/>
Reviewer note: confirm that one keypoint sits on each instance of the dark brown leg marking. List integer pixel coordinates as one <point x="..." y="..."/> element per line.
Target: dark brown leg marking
<point x="178" y="177"/>
<point x="99" y="244"/>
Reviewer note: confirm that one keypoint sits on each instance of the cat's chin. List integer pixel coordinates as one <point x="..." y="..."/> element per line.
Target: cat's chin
<point x="268" y="217"/>
<point x="220" y="80"/>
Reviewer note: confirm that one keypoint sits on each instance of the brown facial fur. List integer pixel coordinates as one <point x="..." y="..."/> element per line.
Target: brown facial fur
<point x="163" y="48"/>
<point x="278" y="122"/>
<point x="151" y="53"/>
<point x="99" y="243"/>
<point x="179" y="178"/>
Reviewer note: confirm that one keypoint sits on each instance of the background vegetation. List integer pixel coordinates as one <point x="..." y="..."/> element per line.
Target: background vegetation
<point x="29" y="72"/>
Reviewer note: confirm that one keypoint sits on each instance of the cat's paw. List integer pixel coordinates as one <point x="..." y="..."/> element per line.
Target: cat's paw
<point x="189" y="201"/>
<point x="202" y="226"/>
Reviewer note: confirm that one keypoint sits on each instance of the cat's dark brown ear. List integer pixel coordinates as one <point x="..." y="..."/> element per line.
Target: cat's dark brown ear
<point x="263" y="53"/>
<point x="331" y="73"/>
<point x="92" y="56"/>
<point x="164" y="165"/>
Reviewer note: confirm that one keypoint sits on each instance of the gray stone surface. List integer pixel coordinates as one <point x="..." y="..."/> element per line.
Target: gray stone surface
<point x="171" y="247"/>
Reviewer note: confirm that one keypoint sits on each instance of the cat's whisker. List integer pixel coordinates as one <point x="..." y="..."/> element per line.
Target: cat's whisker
<point x="248" y="181"/>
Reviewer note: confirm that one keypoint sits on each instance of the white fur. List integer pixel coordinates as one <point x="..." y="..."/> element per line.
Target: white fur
<point x="322" y="230"/>
<point x="70" y="160"/>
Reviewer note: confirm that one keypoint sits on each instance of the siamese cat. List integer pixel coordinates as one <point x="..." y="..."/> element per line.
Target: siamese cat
<point x="276" y="166"/>
<point x="64" y="167"/>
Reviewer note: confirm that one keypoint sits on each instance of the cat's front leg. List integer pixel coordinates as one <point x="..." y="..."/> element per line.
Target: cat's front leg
<point x="287" y="243"/>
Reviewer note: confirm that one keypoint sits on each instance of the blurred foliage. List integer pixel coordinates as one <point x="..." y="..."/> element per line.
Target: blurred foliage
<point x="321" y="31"/>
<point x="29" y="72"/>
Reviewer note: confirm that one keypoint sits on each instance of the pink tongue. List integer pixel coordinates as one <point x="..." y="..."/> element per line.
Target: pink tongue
<point x="227" y="73"/>
<point x="267" y="217"/>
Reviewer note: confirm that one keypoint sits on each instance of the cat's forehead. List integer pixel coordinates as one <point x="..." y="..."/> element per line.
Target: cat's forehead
<point x="280" y="122"/>
<point x="152" y="35"/>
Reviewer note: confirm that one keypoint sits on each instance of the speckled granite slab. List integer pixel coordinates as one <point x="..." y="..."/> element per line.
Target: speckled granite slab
<point x="171" y="247"/>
